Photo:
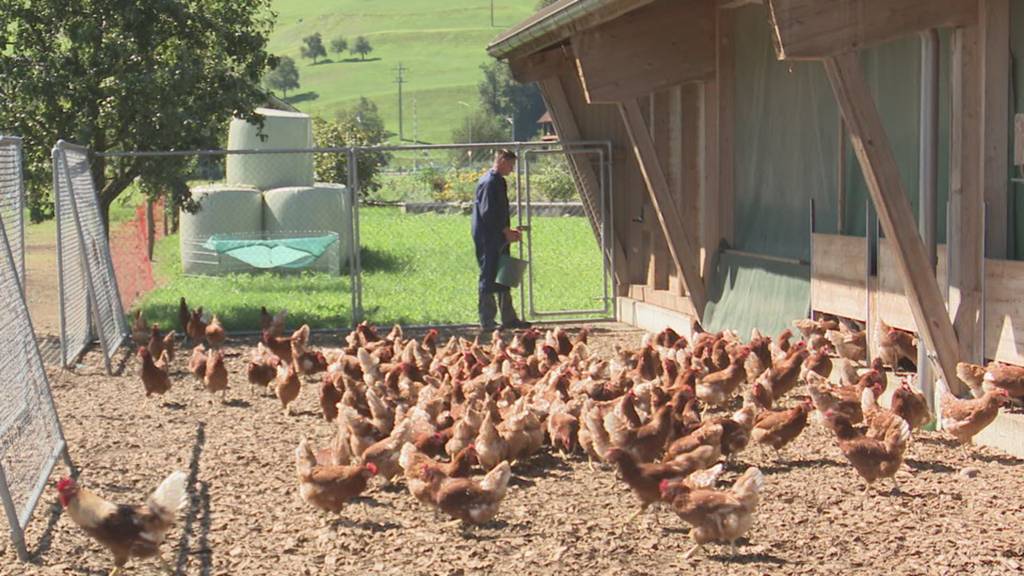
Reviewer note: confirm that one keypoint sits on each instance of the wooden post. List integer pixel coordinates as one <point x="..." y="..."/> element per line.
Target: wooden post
<point x="869" y="142"/>
<point x="966" y="197"/>
<point x="683" y="253"/>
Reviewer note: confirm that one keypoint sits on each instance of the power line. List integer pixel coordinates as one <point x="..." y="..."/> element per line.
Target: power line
<point x="401" y="70"/>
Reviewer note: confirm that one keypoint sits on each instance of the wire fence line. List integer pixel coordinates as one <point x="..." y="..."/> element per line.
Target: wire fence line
<point x="12" y="200"/>
<point x="31" y="438"/>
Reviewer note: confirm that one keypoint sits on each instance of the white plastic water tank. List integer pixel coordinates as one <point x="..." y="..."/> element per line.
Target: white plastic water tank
<point x="281" y="130"/>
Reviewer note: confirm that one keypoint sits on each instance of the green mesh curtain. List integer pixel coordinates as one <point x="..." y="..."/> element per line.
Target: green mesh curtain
<point x="787" y="152"/>
<point x="893" y="73"/>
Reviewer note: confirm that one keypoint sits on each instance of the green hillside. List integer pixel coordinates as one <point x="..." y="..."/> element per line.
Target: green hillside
<point x="441" y="43"/>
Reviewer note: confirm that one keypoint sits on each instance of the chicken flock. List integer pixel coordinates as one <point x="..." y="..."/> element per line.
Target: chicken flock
<point x="451" y="420"/>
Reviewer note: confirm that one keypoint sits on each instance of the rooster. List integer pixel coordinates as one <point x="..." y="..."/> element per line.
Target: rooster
<point x="126" y="530"/>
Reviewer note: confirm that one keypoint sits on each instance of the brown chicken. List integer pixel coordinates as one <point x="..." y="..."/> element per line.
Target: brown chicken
<point x="563" y="431"/>
<point x="126" y="530"/>
<point x="140" y="330"/>
<point x="216" y="377"/>
<point x="872" y="458"/>
<point x="847" y="344"/>
<point x="910" y="404"/>
<point x="644" y="443"/>
<point x="778" y="428"/>
<point x="973" y="376"/>
<point x="964" y="419"/>
<point x="183" y="316"/>
<point x="417" y="464"/>
<point x="783" y="376"/>
<point x="157" y="344"/>
<point x="280" y="347"/>
<point x="197" y="363"/>
<point x="214" y="332"/>
<point x="153" y="374"/>
<point x="819" y="362"/>
<point x="717" y="388"/>
<point x="895" y="345"/>
<point x="329" y="398"/>
<point x="261" y="371"/>
<point x="704" y="443"/>
<point x="721" y="516"/>
<point x="329" y="488"/>
<point x="272" y="324"/>
<point x="196" y="328"/>
<point x="645" y="477"/>
<point x="471" y="501"/>
<point x="999" y="376"/>
<point x="843" y="400"/>
<point x="287" y="386"/>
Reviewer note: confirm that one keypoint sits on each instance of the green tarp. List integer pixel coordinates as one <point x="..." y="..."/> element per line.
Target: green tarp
<point x="756" y="293"/>
<point x="292" y="253"/>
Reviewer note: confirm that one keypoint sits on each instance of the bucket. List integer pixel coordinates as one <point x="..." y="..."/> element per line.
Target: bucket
<point x="510" y="271"/>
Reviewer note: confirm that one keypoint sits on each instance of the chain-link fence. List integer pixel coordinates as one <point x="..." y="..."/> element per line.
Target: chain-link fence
<point x="12" y="200"/>
<point x="337" y="235"/>
<point x="31" y="440"/>
<point x="90" y="303"/>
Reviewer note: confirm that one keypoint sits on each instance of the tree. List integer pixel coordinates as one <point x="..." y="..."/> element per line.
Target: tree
<point x="503" y="97"/>
<point x="284" y="77"/>
<point x="360" y="125"/>
<point x="112" y="75"/>
<point x="339" y="45"/>
<point x="362" y="47"/>
<point x="478" y="127"/>
<point x="313" y="47"/>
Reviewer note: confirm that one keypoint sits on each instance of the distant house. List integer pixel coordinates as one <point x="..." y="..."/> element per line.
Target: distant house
<point x="547" y="128"/>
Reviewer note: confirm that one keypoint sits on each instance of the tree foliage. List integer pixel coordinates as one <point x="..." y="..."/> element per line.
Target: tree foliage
<point x="478" y="127"/>
<point x="502" y="96"/>
<point x="313" y="47"/>
<point x="339" y="45"/>
<point x="113" y="75"/>
<point x="360" y="125"/>
<point x="284" y="77"/>
<point x="362" y="47"/>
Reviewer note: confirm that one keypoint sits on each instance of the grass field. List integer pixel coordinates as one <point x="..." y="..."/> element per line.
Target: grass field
<point x="442" y="44"/>
<point x="417" y="270"/>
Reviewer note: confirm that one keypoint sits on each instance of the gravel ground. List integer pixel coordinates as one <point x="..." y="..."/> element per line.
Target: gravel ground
<point x="559" y="517"/>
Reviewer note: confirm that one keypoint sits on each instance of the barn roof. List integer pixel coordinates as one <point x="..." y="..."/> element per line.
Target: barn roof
<point x="556" y="23"/>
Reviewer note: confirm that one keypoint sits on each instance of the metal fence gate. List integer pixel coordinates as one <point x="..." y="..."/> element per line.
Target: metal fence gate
<point x="12" y="200"/>
<point x="90" y="304"/>
<point x="589" y="167"/>
<point x="31" y="439"/>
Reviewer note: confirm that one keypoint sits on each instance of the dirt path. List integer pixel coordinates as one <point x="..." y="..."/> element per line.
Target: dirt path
<point x="41" y="273"/>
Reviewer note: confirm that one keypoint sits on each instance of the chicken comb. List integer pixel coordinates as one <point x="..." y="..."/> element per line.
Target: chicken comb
<point x="372" y="468"/>
<point x="65" y="483"/>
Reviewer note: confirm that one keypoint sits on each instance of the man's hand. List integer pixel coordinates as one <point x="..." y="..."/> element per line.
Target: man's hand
<point x="512" y="235"/>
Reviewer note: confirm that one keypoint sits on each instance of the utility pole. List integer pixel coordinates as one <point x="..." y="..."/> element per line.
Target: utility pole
<point x="492" y="13"/>
<point x="400" y="80"/>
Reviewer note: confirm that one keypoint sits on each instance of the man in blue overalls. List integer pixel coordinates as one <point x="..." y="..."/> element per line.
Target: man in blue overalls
<point x="492" y="235"/>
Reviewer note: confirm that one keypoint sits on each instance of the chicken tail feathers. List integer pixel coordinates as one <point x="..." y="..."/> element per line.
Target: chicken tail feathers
<point x="496" y="481"/>
<point x="170" y="496"/>
<point x="749" y="485"/>
<point x="706" y="478"/>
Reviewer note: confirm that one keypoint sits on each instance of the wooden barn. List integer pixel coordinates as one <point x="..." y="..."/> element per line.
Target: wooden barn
<point x="783" y="158"/>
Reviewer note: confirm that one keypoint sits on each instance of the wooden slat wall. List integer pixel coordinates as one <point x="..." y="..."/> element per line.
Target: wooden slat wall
<point x="1004" y="311"/>
<point x="838" y="271"/>
<point x="893" y="307"/>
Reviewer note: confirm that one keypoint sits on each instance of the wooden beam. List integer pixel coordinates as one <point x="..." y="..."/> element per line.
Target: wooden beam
<point x="966" y="198"/>
<point x="541" y="65"/>
<point x="661" y="45"/>
<point x="587" y="182"/>
<point x="994" y="30"/>
<point x="683" y="252"/>
<point x="869" y="142"/>
<point x="815" y="29"/>
<point x="723" y="101"/>
<point x="1018" y="140"/>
